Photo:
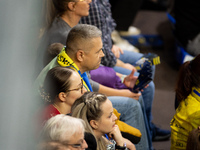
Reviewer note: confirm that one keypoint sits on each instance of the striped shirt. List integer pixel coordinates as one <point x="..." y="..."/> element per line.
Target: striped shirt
<point x="101" y="17"/>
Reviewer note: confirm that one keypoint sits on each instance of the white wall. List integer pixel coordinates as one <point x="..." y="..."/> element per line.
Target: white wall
<point x="18" y="36"/>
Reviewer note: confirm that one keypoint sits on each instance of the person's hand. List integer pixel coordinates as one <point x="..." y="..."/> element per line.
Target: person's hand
<point x="116" y="135"/>
<point x="117" y="51"/>
<point x="145" y="87"/>
<point x="125" y="65"/>
<point x="129" y="66"/>
<point x="129" y="144"/>
<point x="130" y="80"/>
<point x="128" y="93"/>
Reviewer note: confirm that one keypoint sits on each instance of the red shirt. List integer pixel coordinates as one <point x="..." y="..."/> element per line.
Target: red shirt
<point x="46" y="113"/>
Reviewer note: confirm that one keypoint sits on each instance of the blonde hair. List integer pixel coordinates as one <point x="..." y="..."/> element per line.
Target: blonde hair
<point x="88" y="107"/>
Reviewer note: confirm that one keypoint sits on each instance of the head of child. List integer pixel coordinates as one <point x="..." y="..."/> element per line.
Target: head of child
<point x="53" y="50"/>
<point x="97" y="111"/>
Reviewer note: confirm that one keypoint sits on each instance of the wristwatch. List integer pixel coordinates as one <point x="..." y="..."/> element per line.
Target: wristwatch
<point x="122" y="78"/>
<point x="121" y="147"/>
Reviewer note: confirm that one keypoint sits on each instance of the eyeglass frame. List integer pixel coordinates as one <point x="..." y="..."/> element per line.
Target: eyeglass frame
<point x="64" y="143"/>
<point x="75" y="145"/>
<point x="77" y="88"/>
<point x="81" y="1"/>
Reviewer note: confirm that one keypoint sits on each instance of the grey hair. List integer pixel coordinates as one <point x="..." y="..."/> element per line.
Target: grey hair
<point x="80" y="35"/>
<point x="61" y="128"/>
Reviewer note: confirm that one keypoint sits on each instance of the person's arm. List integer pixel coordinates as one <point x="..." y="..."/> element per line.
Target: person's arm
<point x="120" y="141"/>
<point x="116" y="92"/>
<point x="125" y="65"/>
<point x="128" y="80"/>
<point x="129" y="144"/>
<point x="113" y="92"/>
<point x="117" y="51"/>
<point x="94" y="84"/>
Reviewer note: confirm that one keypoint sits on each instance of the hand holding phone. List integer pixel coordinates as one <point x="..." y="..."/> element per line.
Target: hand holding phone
<point x="144" y="78"/>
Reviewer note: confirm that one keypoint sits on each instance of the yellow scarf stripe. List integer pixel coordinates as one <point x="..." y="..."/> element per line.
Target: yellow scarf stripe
<point x="64" y="60"/>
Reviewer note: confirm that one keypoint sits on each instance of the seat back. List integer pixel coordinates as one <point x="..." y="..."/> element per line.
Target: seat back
<point x="180" y="53"/>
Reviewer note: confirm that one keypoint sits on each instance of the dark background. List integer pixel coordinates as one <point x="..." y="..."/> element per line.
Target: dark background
<point x="156" y="23"/>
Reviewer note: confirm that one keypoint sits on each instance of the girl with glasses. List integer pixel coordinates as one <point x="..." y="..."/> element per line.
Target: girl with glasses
<point x="62" y="86"/>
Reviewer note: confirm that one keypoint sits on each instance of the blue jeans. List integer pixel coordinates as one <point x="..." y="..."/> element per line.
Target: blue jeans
<point x="131" y="58"/>
<point x="132" y="114"/>
<point x="148" y="93"/>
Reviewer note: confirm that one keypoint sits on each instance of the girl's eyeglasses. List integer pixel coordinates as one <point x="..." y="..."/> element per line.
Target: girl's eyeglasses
<point x="78" y="87"/>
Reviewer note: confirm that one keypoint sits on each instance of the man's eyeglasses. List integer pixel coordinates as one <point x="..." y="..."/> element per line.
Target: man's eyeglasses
<point x="78" y="87"/>
<point x="75" y="145"/>
<point x="78" y="146"/>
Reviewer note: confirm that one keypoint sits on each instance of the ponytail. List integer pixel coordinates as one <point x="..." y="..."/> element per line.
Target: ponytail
<point x="51" y="10"/>
<point x="188" y="77"/>
<point x="184" y="85"/>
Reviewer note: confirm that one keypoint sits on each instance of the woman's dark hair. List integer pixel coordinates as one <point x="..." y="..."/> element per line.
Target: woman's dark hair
<point x="52" y="9"/>
<point x="188" y="77"/>
<point x="56" y="81"/>
<point x="193" y="142"/>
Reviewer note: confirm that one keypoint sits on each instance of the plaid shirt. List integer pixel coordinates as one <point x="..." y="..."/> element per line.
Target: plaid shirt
<point x="101" y="17"/>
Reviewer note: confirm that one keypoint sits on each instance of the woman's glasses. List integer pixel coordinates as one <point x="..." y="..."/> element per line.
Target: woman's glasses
<point x="78" y="87"/>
